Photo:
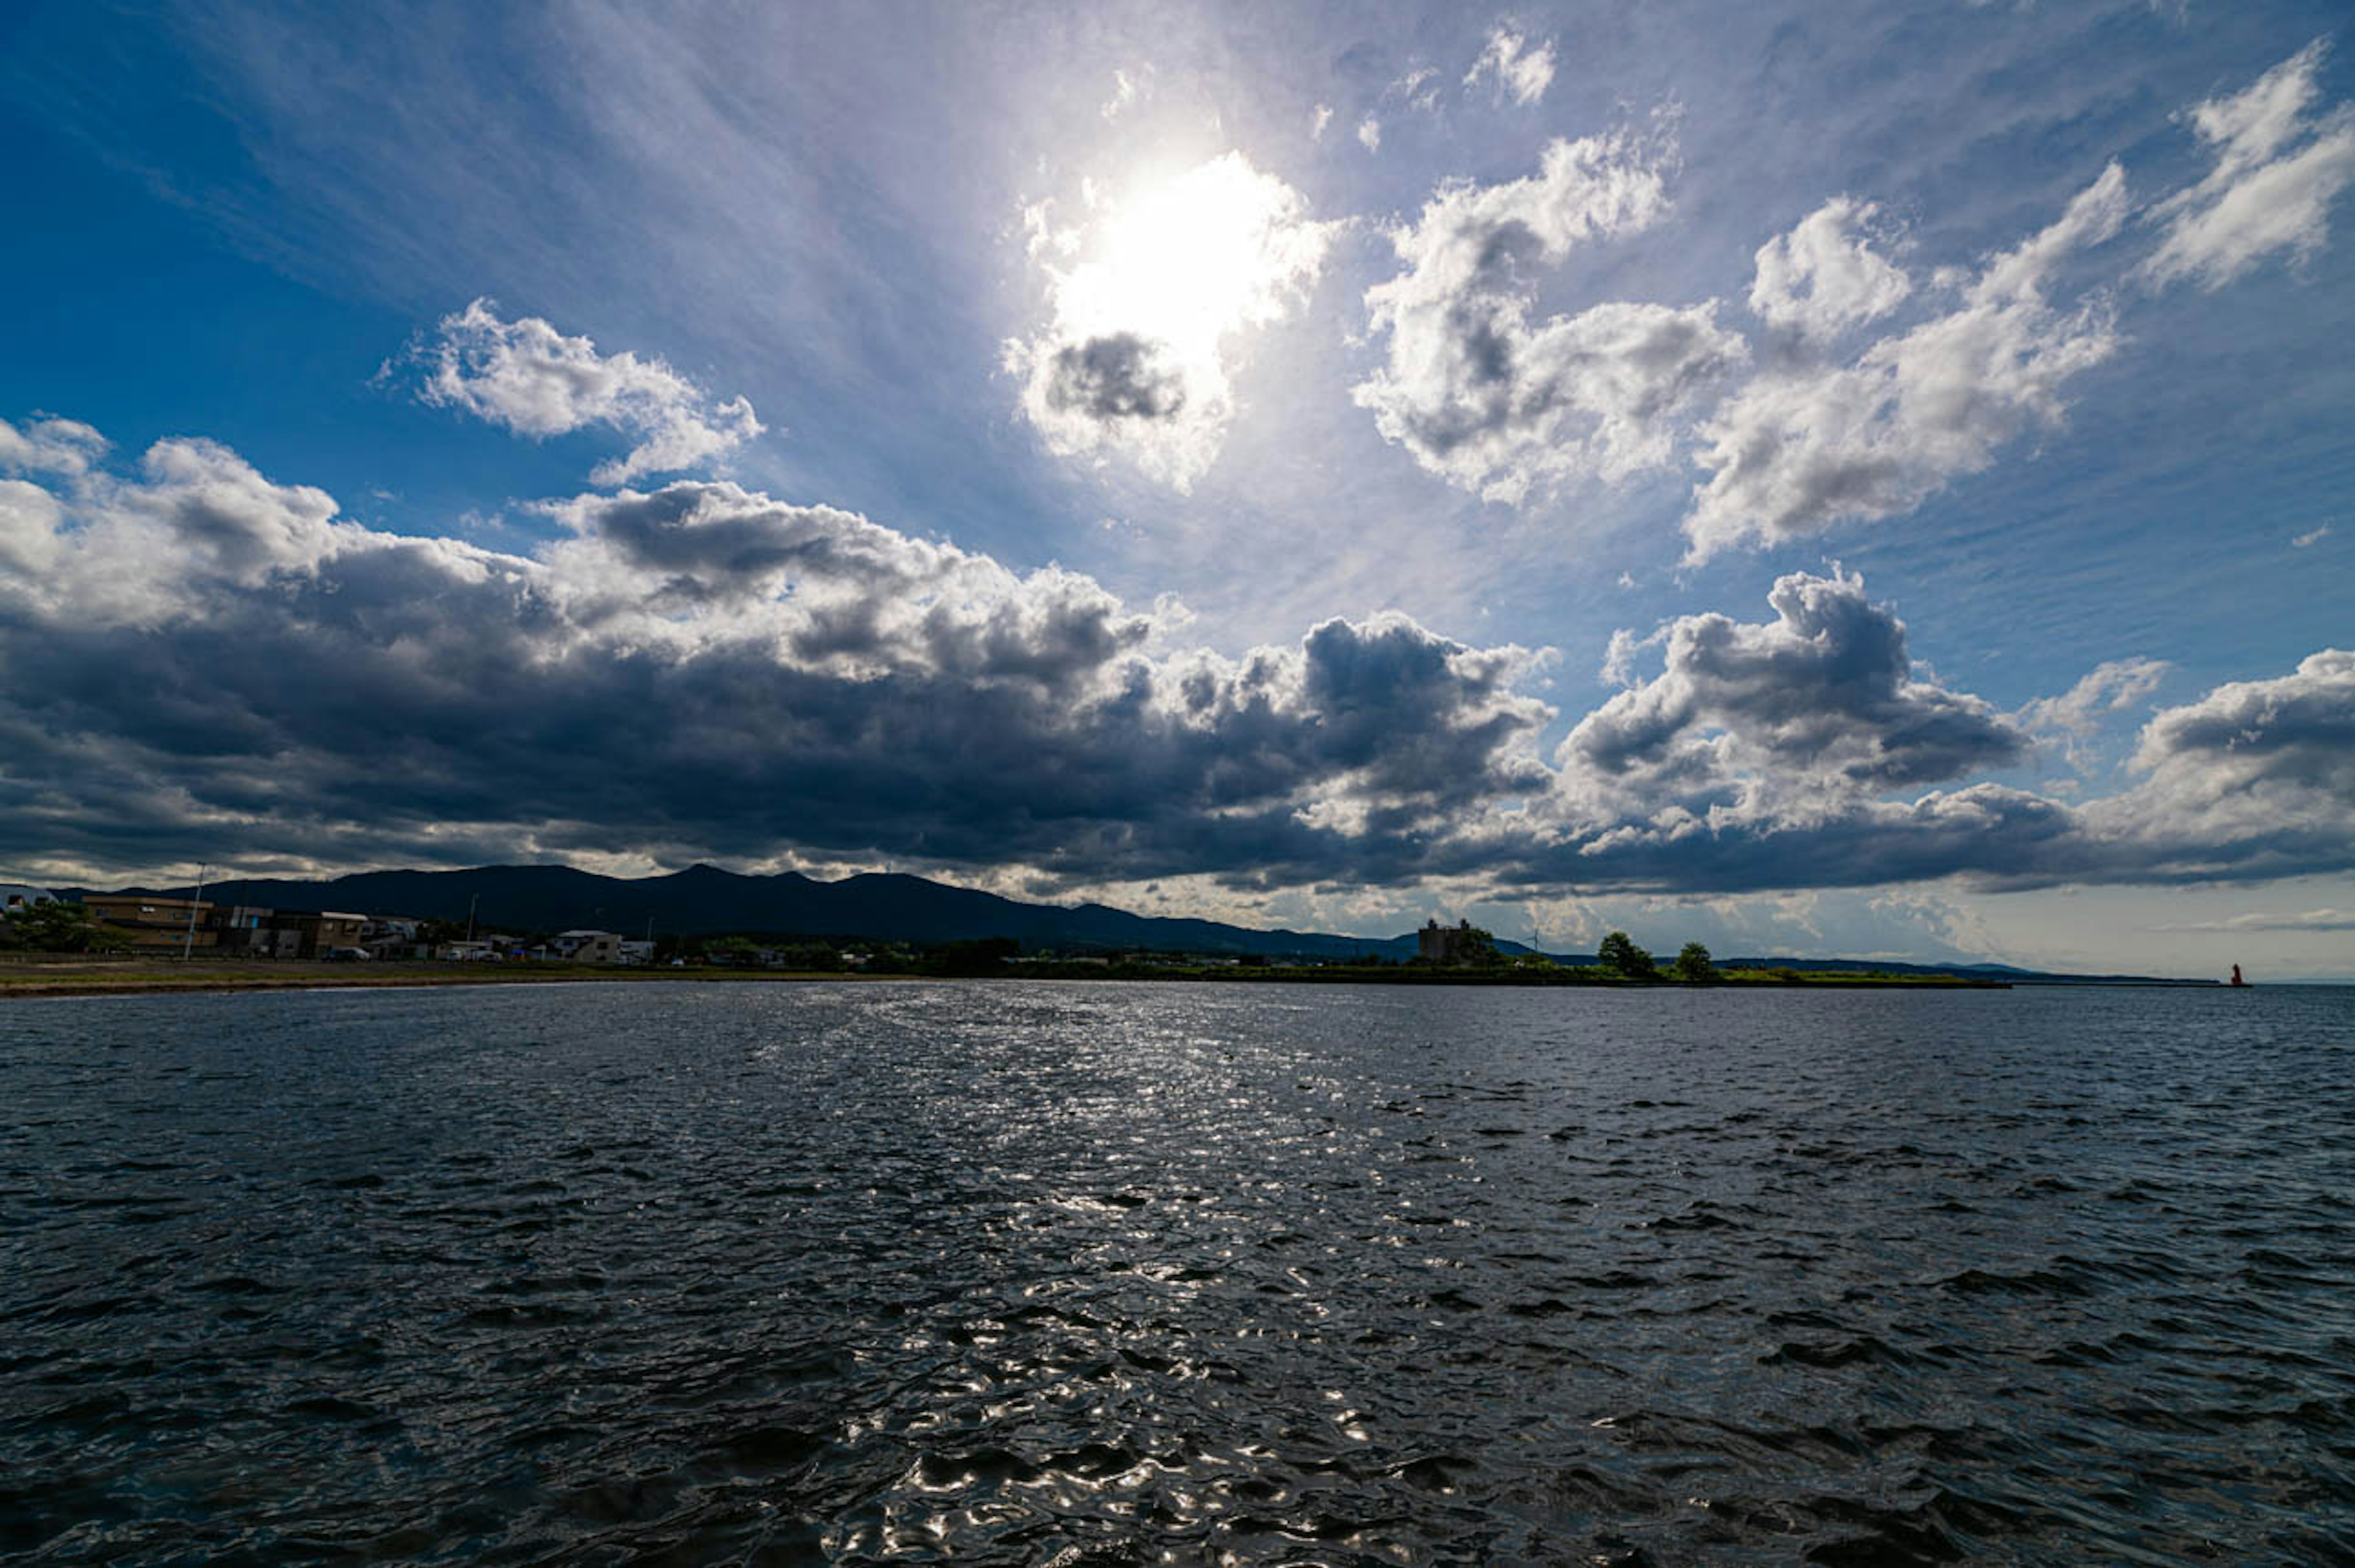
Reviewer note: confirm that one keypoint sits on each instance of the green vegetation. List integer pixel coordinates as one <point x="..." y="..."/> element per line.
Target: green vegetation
<point x="56" y="927"/>
<point x="1693" y="965"/>
<point x="1621" y="956"/>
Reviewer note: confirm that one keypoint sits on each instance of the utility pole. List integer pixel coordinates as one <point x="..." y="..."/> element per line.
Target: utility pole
<point x="189" y="939"/>
<point x="470" y="915"/>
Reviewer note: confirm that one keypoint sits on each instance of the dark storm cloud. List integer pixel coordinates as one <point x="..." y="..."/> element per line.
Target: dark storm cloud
<point x="1119" y="377"/>
<point x="216" y="663"/>
<point x="202" y="664"/>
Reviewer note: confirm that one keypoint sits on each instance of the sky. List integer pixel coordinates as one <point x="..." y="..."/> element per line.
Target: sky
<point x="1865" y="480"/>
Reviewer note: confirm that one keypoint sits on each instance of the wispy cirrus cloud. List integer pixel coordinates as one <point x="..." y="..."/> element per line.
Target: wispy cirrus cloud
<point x="1521" y="70"/>
<point x="2279" y="167"/>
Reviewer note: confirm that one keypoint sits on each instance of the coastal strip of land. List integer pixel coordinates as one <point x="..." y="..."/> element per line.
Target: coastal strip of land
<point x="149" y="977"/>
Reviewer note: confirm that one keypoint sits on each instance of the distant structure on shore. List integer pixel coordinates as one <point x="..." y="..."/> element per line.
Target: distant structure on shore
<point x="1438" y="945"/>
<point x="2236" y="976"/>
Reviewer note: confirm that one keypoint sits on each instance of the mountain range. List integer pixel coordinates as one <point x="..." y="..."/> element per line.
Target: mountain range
<point x="883" y="906"/>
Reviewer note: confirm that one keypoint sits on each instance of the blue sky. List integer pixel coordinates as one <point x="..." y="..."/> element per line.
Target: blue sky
<point x="1865" y="480"/>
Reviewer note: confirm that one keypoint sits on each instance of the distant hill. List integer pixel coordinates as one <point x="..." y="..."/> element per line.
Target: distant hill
<point x="2007" y="972"/>
<point x="704" y="899"/>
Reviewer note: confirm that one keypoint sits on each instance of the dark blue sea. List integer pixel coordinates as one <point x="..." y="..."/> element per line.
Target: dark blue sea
<point x="1094" y="1274"/>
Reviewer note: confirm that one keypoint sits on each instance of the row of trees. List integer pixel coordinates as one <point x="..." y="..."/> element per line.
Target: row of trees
<point x="1475" y="948"/>
<point x="1620" y="954"/>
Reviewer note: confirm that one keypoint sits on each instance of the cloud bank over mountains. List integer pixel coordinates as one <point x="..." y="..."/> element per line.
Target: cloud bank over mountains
<point x="208" y="664"/>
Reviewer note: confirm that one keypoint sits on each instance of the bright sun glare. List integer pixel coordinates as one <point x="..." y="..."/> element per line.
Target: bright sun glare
<point x="1187" y="262"/>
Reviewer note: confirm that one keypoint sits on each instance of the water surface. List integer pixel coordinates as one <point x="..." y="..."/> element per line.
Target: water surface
<point x="1097" y="1273"/>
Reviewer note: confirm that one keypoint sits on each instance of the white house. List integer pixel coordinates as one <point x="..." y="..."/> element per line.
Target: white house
<point x="15" y="896"/>
<point x="586" y="946"/>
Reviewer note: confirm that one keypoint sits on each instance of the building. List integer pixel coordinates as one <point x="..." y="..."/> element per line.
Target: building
<point x="637" y="953"/>
<point x="248" y="932"/>
<point x="586" y="946"/>
<point x="329" y="930"/>
<point x="392" y="938"/>
<point x="15" y="896"/>
<point x="253" y="933"/>
<point x="155" y="923"/>
<point x="1435" y="944"/>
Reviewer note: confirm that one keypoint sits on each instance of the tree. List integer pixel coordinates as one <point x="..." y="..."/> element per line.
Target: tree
<point x="57" y="927"/>
<point x="1623" y="958"/>
<point x="985" y="957"/>
<point x="1693" y="963"/>
<point x="1475" y="946"/>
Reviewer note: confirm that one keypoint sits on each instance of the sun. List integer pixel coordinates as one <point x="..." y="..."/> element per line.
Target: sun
<point x="1188" y="262"/>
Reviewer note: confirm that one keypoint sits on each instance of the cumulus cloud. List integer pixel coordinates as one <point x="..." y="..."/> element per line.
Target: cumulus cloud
<point x="1501" y="405"/>
<point x="2254" y="778"/>
<point x="530" y="378"/>
<point x="2277" y="170"/>
<point x="1794" y="452"/>
<point x="1151" y="298"/>
<point x="1520" y="72"/>
<point x="207" y="663"/>
<point x="50" y="446"/>
<point x="1817" y="706"/>
<point x="1827" y="275"/>
<point x="698" y="666"/>
<point x="1369" y="134"/>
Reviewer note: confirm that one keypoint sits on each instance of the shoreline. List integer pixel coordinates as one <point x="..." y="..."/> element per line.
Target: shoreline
<point x="171" y="978"/>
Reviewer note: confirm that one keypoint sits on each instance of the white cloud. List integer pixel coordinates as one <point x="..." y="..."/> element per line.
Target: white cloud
<point x="1505" y="408"/>
<point x="1126" y="90"/>
<point x="1418" y="88"/>
<point x="1148" y="315"/>
<point x="1794" y="452"/>
<point x="2267" y="920"/>
<point x="51" y="446"/>
<point x="1319" y="121"/>
<point x="1522" y="73"/>
<point x="2256" y="778"/>
<point x="526" y="376"/>
<point x="2075" y="716"/>
<point x="1826" y="276"/>
<point x="1774" y="721"/>
<point x="2109" y="687"/>
<point x="2311" y="538"/>
<point x="2267" y="192"/>
<point x="1369" y="134"/>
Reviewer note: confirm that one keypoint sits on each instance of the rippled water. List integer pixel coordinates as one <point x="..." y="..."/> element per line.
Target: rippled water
<point x="1096" y="1273"/>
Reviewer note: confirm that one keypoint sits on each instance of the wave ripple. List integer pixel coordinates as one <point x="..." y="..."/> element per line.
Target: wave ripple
<point x="1096" y="1274"/>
